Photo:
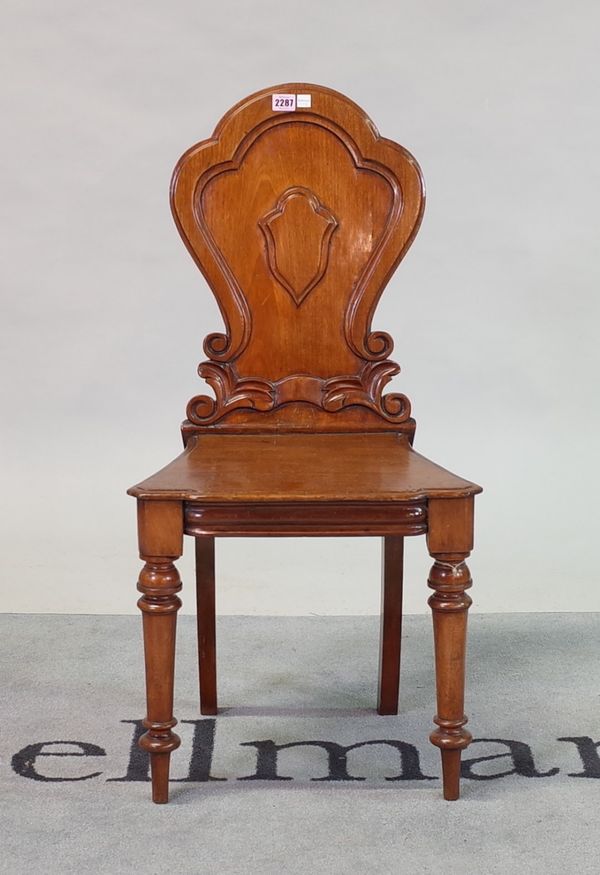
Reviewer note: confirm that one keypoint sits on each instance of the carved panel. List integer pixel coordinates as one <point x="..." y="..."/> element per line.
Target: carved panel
<point x="297" y="221"/>
<point x="232" y="392"/>
<point x="298" y="235"/>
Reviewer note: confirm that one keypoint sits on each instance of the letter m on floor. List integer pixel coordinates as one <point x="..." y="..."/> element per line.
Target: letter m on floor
<point x="267" y="756"/>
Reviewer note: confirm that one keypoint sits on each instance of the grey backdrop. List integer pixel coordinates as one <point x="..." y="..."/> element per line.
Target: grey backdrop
<point x="494" y="311"/>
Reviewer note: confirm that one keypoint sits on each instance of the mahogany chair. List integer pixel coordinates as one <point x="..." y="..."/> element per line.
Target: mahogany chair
<point x="297" y="212"/>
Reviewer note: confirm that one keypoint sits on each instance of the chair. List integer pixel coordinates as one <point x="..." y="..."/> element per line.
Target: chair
<point x="297" y="213"/>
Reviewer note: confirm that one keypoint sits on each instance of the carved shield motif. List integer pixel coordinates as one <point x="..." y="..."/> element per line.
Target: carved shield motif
<point x="298" y="232"/>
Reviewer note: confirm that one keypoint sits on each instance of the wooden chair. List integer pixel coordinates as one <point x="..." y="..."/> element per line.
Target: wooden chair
<point x="297" y="213"/>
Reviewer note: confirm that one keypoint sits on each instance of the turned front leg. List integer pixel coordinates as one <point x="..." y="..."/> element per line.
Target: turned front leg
<point x="161" y="541"/>
<point x="450" y="538"/>
<point x="449" y="578"/>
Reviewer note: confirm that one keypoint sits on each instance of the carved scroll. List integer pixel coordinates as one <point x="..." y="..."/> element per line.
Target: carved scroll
<point x="363" y="390"/>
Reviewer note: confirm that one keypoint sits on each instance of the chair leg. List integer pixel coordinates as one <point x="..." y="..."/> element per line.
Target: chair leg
<point x="391" y="623"/>
<point x="205" y="595"/>
<point x="449" y="577"/>
<point x="160" y="532"/>
<point x="159" y="581"/>
<point x="450" y="539"/>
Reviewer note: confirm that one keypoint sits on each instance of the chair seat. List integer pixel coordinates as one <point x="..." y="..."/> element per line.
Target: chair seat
<point x="306" y="468"/>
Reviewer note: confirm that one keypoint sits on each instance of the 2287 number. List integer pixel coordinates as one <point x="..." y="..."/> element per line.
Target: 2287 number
<point x="283" y="102"/>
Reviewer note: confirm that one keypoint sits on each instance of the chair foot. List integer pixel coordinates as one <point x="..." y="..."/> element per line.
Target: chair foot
<point x="451" y="774"/>
<point x="159" y="768"/>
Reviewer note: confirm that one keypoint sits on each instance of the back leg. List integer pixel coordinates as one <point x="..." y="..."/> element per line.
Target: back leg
<point x="205" y="597"/>
<point x="391" y="623"/>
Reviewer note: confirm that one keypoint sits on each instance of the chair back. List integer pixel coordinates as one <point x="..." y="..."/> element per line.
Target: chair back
<point x="297" y="212"/>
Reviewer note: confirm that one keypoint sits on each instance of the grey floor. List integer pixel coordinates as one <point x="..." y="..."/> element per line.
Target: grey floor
<point x="533" y="679"/>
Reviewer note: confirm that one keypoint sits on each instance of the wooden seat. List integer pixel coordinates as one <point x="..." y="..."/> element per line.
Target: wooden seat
<point x="297" y="212"/>
<point x="302" y="468"/>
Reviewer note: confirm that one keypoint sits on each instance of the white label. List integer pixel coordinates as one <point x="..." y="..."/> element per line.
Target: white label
<point x="303" y="101"/>
<point x="283" y="103"/>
